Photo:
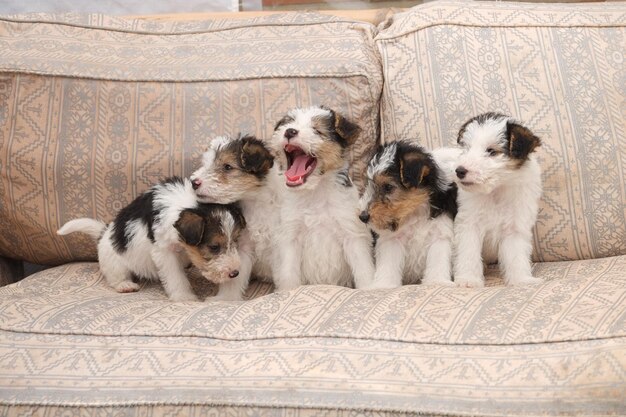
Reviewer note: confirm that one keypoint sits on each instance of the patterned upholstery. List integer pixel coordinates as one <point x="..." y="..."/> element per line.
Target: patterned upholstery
<point x="93" y="110"/>
<point x="67" y="338"/>
<point x="559" y="68"/>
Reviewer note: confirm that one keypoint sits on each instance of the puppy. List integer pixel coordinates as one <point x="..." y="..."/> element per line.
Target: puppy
<point x="159" y="232"/>
<point x="320" y="239"/>
<point x="242" y="169"/>
<point x="410" y="204"/>
<point x="499" y="182"/>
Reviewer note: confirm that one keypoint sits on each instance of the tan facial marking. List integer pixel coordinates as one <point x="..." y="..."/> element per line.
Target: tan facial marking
<point x="233" y="177"/>
<point x="329" y="156"/>
<point x="390" y="211"/>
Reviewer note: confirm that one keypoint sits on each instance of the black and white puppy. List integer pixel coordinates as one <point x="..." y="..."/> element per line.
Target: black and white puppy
<point x="242" y="169"/>
<point x="410" y="203"/>
<point x="320" y="239"/>
<point x="159" y="233"/>
<point x="499" y="182"/>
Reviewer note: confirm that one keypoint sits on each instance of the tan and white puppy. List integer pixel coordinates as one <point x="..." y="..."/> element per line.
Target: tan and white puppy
<point x="242" y="169"/>
<point x="410" y="203"/>
<point x="159" y="233"/>
<point x="320" y="239"/>
<point x="499" y="182"/>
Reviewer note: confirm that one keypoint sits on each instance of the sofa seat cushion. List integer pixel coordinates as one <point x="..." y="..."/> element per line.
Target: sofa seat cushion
<point x="66" y="339"/>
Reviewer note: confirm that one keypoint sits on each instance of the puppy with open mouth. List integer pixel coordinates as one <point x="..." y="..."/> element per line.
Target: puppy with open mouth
<point x="159" y="233"/>
<point x="499" y="182"/>
<point x="320" y="239"/>
<point x="410" y="203"/>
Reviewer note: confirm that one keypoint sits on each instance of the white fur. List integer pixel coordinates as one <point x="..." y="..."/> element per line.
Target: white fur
<point x="422" y="247"/>
<point x="162" y="260"/>
<point x="260" y="207"/>
<point x="320" y="238"/>
<point x="497" y="209"/>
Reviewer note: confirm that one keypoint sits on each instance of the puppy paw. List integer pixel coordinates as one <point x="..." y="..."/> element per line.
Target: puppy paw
<point x="379" y="285"/>
<point x="464" y="281"/>
<point x="126" y="287"/>
<point x="184" y="296"/>
<point x="525" y="281"/>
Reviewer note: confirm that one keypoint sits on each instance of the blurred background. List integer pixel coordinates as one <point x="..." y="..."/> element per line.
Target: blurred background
<point x="139" y="7"/>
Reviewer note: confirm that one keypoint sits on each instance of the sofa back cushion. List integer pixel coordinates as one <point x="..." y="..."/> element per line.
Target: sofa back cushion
<point x="94" y="110"/>
<point x="561" y="69"/>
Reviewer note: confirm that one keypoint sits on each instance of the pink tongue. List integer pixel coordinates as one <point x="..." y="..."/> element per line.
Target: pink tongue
<point x="298" y="170"/>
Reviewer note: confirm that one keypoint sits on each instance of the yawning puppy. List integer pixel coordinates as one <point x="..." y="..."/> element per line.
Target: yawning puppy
<point x="410" y="203"/>
<point x="159" y="232"/>
<point x="499" y="182"/>
<point x="320" y="240"/>
<point x="242" y="169"/>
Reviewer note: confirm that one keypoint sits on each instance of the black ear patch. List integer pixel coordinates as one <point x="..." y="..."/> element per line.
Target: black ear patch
<point x="414" y="169"/>
<point x="190" y="226"/>
<point x="255" y="157"/>
<point x="345" y="129"/>
<point x="237" y="214"/>
<point x="521" y="141"/>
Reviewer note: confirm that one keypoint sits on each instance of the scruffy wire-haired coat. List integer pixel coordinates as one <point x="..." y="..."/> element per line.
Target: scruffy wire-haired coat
<point x="499" y="182"/>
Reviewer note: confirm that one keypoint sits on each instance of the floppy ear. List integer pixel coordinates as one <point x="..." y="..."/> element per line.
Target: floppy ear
<point x="190" y="226"/>
<point x="521" y="141"/>
<point x="414" y="169"/>
<point x="255" y="157"/>
<point x="346" y="129"/>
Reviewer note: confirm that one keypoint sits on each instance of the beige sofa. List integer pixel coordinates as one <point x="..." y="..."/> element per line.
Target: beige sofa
<point x="94" y="109"/>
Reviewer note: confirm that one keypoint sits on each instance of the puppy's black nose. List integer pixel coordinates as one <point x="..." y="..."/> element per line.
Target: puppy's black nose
<point x="460" y="172"/>
<point x="234" y="274"/>
<point x="290" y="133"/>
<point x="364" y="216"/>
<point x="195" y="184"/>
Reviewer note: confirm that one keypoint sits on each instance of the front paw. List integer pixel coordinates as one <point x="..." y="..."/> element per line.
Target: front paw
<point x="529" y="280"/>
<point x="379" y="284"/>
<point x="469" y="281"/>
<point x="183" y="296"/>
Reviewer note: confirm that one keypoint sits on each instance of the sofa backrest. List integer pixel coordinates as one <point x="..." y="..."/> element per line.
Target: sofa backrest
<point x="561" y="69"/>
<point x="94" y="110"/>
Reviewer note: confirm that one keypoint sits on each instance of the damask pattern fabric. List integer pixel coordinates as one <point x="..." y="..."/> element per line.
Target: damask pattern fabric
<point x="560" y="69"/>
<point x="93" y="111"/>
<point x="67" y="338"/>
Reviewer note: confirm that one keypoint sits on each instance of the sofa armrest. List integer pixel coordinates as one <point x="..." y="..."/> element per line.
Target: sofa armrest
<point x="10" y="271"/>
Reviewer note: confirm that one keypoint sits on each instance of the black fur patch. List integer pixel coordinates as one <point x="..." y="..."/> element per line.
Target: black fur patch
<point x="210" y="213"/>
<point x="141" y="208"/>
<point x="340" y="129"/>
<point x="254" y="156"/>
<point x="521" y="141"/>
<point x="444" y="202"/>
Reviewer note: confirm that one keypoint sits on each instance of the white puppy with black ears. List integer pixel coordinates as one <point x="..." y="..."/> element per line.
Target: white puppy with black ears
<point x="499" y="182"/>
<point x="321" y="240"/>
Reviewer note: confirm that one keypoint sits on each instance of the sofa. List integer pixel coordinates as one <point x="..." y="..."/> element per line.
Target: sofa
<point x="94" y="109"/>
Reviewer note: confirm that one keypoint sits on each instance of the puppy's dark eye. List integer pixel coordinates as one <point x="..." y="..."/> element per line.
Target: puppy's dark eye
<point x="492" y="152"/>
<point x="317" y="132"/>
<point x="388" y="188"/>
<point x="215" y="249"/>
<point x="227" y="167"/>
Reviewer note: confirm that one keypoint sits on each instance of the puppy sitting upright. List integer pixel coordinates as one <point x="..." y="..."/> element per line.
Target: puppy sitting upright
<point x="159" y="232"/>
<point x="321" y="240"/>
<point x="410" y="203"/>
<point x="242" y="169"/>
<point x="499" y="182"/>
